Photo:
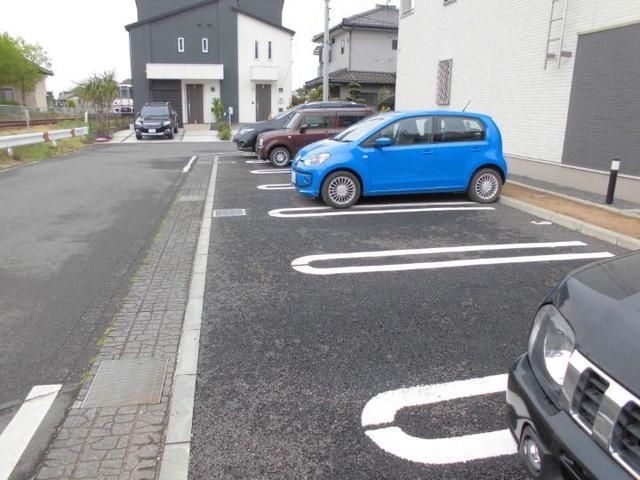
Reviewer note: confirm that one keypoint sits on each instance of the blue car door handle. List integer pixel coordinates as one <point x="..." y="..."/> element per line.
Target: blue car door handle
<point x="427" y="152"/>
<point x="475" y="149"/>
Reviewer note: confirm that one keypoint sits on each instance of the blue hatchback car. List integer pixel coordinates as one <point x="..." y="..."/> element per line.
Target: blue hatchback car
<point x="400" y="153"/>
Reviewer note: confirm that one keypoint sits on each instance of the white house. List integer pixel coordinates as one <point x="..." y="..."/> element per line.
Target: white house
<point x="560" y="77"/>
<point x="264" y="68"/>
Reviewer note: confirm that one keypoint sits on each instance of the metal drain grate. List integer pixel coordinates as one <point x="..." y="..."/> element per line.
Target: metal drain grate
<point x="191" y="198"/>
<point x="230" y="212"/>
<point x="127" y="382"/>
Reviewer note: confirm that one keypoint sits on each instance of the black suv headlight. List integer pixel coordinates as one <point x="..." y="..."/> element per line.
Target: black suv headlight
<point x="551" y="343"/>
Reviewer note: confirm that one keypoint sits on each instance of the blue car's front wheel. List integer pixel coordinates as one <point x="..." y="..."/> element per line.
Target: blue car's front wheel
<point x="341" y="189"/>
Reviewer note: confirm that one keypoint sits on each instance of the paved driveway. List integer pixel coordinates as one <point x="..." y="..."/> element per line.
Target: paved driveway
<point x="327" y="335"/>
<point x="73" y="231"/>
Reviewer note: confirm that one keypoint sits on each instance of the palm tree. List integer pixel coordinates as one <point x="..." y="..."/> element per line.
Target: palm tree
<point x="100" y="91"/>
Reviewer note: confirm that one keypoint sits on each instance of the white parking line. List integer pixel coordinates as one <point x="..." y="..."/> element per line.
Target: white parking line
<point x="17" y="435"/>
<point x="271" y="171"/>
<point x="256" y="161"/>
<point x="188" y="166"/>
<point x="276" y="186"/>
<point x="381" y="410"/>
<point x="302" y="264"/>
<point x="381" y="209"/>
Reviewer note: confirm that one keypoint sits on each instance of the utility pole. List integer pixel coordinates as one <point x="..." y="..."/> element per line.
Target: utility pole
<point x="325" y="54"/>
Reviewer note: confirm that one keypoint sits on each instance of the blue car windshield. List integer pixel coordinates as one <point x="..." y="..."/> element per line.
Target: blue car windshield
<point x="364" y="127"/>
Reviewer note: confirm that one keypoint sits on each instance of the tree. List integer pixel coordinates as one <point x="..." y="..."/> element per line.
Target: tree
<point x="20" y="63"/>
<point x="33" y="52"/>
<point x="100" y="91"/>
<point x="355" y="94"/>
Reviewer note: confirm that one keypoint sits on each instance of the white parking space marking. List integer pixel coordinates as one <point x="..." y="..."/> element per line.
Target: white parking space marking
<point x="543" y="222"/>
<point x="380" y="209"/>
<point x="381" y="411"/>
<point x="276" y="186"/>
<point x="257" y="161"/>
<point x="286" y="171"/>
<point x="303" y="264"/>
<point x="189" y="165"/>
<point x="17" y="435"/>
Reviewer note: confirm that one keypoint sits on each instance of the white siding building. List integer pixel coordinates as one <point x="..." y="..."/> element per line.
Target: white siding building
<point x="264" y="69"/>
<point x="501" y="57"/>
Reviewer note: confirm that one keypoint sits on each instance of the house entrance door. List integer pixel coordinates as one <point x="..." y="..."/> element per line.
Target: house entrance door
<point x="263" y="102"/>
<point x="195" y="110"/>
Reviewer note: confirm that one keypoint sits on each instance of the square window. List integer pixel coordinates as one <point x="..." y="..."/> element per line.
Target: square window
<point x="407" y="7"/>
<point x="180" y="44"/>
<point x="443" y="93"/>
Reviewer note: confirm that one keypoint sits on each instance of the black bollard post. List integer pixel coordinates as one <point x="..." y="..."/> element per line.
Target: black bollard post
<point x="613" y="178"/>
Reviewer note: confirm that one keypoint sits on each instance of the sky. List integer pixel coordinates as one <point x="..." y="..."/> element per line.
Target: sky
<point x="82" y="37"/>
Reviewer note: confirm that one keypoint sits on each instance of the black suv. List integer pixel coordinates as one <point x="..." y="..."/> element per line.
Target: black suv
<point x="157" y="119"/>
<point x="574" y="397"/>
<point x="247" y="136"/>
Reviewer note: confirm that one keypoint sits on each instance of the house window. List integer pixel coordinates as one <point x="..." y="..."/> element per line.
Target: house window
<point x="342" y="46"/>
<point x="443" y="93"/>
<point x="394" y="44"/>
<point x="270" y="51"/>
<point x="205" y="45"/>
<point x="180" y="44"/>
<point x="7" y="94"/>
<point x="407" y="7"/>
<point x="256" y="50"/>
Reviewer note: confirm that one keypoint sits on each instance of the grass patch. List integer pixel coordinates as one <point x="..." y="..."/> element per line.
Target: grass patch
<point x="40" y="151"/>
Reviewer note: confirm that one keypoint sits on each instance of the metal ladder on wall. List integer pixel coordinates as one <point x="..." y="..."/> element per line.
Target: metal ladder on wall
<point x="555" y="35"/>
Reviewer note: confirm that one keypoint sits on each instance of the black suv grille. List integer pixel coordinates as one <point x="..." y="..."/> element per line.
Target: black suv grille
<point x="626" y="436"/>
<point x="588" y="396"/>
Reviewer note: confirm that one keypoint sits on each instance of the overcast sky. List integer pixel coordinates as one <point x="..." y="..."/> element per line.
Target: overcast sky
<point x="84" y="37"/>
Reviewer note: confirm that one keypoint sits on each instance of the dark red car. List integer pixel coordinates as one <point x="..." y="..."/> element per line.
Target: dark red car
<point x="306" y="127"/>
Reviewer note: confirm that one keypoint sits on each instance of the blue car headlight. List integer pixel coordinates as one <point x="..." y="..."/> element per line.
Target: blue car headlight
<point x="551" y="344"/>
<point x="316" y="159"/>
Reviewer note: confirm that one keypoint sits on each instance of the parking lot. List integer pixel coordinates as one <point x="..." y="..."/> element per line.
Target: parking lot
<point x="365" y="343"/>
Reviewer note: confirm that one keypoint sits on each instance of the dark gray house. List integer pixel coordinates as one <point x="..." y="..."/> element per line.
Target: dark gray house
<point x="364" y="50"/>
<point x="191" y="52"/>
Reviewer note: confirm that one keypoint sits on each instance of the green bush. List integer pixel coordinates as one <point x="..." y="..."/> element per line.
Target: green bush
<point x="218" y="109"/>
<point x="224" y="131"/>
<point x="4" y="101"/>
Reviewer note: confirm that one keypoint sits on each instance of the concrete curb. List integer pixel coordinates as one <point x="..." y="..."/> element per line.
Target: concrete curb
<point x="609" y="236"/>
<point x="177" y="443"/>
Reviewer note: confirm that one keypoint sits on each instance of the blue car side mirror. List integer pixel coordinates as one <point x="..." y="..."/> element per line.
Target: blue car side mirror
<point x="383" y="142"/>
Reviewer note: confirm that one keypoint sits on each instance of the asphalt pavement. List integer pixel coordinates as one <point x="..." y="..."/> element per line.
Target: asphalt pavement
<point x="332" y="366"/>
<point x="73" y="230"/>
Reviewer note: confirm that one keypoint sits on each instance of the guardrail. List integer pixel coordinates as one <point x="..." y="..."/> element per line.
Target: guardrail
<point x="10" y="141"/>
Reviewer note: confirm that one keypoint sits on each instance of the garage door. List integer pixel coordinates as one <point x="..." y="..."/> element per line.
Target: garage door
<point x="603" y="120"/>
<point x="168" y="91"/>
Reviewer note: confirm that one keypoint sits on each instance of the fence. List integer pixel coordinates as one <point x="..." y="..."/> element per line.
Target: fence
<point x="10" y="141"/>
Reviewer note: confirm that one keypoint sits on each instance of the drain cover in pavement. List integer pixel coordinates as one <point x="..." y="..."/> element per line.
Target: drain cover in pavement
<point x="127" y="382"/>
<point x="230" y="212"/>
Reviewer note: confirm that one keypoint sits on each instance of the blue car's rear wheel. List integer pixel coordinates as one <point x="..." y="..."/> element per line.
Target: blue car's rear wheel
<point x="341" y="189"/>
<point x="485" y="186"/>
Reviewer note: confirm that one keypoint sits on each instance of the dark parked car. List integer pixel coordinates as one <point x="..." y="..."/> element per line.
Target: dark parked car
<point x="574" y="397"/>
<point x="247" y="136"/>
<point x="157" y="119"/>
<point x="305" y="127"/>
